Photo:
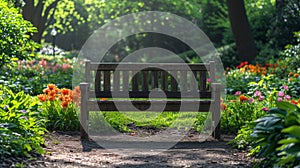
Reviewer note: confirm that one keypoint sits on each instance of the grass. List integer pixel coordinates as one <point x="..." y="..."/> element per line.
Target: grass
<point x="120" y="121"/>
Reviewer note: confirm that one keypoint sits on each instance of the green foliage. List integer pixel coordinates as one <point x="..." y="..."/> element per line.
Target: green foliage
<point x="15" y="35"/>
<point x="58" y="118"/>
<point x="238" y="113"/>
<point x="21" y="125"/>
<point x="277" y="135"/>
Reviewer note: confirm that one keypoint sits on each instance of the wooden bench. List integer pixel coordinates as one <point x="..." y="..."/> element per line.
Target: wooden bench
<point x="186" y="82"/>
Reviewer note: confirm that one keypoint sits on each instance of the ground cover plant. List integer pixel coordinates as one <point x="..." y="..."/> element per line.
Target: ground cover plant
<point x="22" y="127"/>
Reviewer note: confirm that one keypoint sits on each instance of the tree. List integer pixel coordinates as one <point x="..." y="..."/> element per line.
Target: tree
<point x="48" y="13"/>
<point x="15" y="36"/>
<point x="241" y="30"/>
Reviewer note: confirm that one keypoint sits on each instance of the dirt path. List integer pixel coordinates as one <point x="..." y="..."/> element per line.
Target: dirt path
<point x="67" y="150"/>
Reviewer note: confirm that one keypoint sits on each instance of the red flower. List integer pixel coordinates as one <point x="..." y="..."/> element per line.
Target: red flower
<point x="294" y="102"/>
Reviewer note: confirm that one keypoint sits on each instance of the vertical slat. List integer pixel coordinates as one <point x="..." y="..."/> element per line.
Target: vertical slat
<point x="174" y="79"/>
<point x="183" y="81"/>
<point x="212" y="75"/>
<point x="84" y="88"/>
<point x="125" y="80"/>
<point x="145" y="81"/>
<point x="106" y="80"/>
<point x="193" y="81"/>
<point x="154" y="82"/>
<point x="116" y="81"/>
<point x="87" y="71"/>
<point x="135" y="81"/>
<point x="98" y="77"/>
<point x="203" y="80"/>
<point x="164" y="77"/>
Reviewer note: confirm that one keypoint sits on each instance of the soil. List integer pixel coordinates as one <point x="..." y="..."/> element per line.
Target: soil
<point x="67" y="150"/>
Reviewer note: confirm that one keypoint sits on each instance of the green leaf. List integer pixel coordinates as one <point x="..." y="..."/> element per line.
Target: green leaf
<point x="293" y="130"/>
<point x="286" y="106"/>
<point x="288" y="140"/>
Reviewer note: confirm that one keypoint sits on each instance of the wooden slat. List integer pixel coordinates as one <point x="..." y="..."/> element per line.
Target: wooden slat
<point x="125" y="77"/>
<point x="116" y="81"/>
<point x="140" y="106"/>
<point x="202" y="81"/>
<point x="174" y="79"/>
<point x="193" y="81"/>
<point x="150" y="66"/>
<point x="164" y="79"/>
<point x="145" y="82"/>
<point x="135" y="81"/>
<point x="154" y="80"/>
<point x="98" y="79"/>
<point x="106" y="80"/>
<point x="183" y="81"/>
<point x="145" y="94"/>
<point x="87" y="71"/>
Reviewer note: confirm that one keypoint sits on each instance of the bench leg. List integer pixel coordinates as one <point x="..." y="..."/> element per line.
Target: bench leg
<point x="83" y="111"/>
<point x="216" y="110"/>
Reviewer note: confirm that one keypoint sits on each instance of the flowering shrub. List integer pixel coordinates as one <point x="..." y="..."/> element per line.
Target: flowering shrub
<point x="33" y="76"/>
<point x="60" y="107"/>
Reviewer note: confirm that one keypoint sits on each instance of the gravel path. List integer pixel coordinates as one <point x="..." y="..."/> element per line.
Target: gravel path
<point x="67" y="150"/>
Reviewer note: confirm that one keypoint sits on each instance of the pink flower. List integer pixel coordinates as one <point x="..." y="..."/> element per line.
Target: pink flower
<point x="208" y="80"/>
<point x="280" y="93"/>
<point x="250" y="100"/>
<point x="265" y="109"/>
<point x="288" y="97"/>
<point x="279" y="99"/>
<point x="285" y="87"/>
<point x="238" y="93"/>
<point x="257" y="94"/>
<point x="260" y="98"/>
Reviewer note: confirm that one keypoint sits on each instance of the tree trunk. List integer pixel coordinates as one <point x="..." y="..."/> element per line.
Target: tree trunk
<point x="38" y="16"/>
<point x="241" y="30"/>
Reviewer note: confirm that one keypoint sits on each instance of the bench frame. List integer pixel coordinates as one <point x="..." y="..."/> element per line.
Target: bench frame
<point x="161" y="76"/>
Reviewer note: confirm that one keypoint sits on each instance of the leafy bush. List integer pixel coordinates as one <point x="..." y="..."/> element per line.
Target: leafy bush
<point x="277" y="136"/>
<point x="21" y="124"/>
<point x="15" y="35"/>
<point x="59" y="108"/>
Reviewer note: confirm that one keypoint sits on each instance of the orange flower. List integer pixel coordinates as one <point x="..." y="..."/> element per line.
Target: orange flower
<point x="42" y="97"/>
<point x="291" y="73"/>
<point x="77" y="89"/>
<point x="65" y="91"/>
<point x="51" y="98"/>
<point x="232" y="101"/>
<point x="46" y="90"/>
<point x="64" y="104"/>
<point x="243" y="98"/>
<point x="103" y="99"/>
<point x="67" y="99"/>
<point x="52" y="93"/>
<point x="223" y="106"/>
<point x="52" y="86"/>
<point x="296" y="75"/>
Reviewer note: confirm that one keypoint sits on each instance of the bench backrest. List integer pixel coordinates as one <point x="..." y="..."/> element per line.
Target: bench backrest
<point x="137" y="80"/>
